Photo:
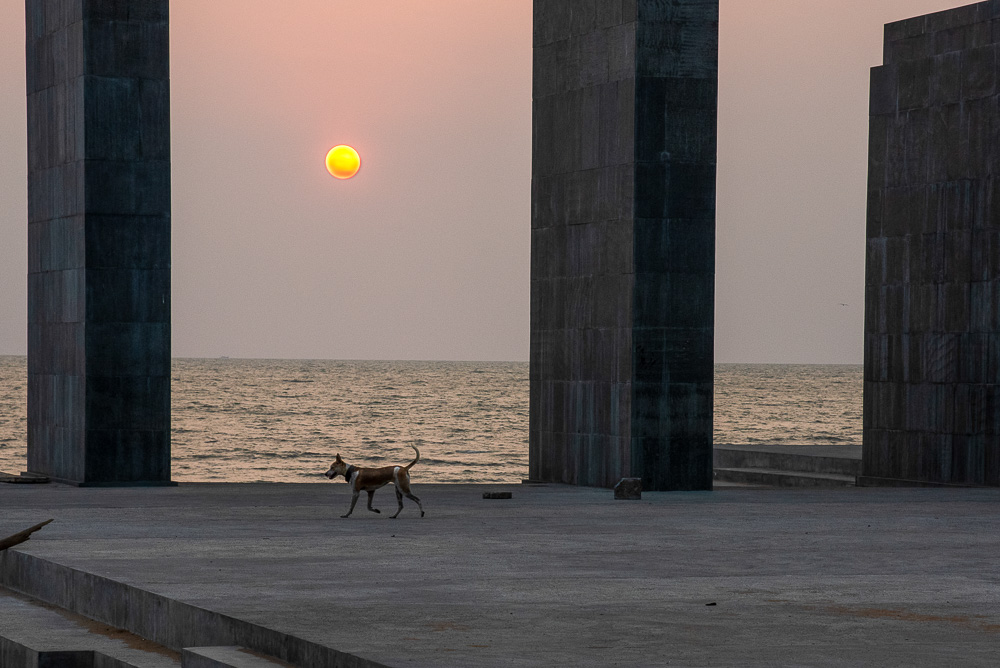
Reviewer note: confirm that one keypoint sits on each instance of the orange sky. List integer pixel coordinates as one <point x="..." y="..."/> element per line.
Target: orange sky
<point x="424" y="255"/>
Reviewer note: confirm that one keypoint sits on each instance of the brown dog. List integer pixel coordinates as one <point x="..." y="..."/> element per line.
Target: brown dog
<point x="370" y="480"/>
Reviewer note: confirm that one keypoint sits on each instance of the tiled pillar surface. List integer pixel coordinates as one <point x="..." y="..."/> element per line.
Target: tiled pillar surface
<point x="99" y="241"/>
<point x="932" y="320"/>
<point x="623" y="242"/>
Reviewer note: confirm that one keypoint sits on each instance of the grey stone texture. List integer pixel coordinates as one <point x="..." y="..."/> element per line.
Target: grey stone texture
<point x="623" y="242"/>
<point x="932" y="320"/>
<point x="99" y="241"/>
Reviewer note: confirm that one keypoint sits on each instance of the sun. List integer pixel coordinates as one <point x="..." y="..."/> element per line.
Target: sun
<point x="343" y="161"/>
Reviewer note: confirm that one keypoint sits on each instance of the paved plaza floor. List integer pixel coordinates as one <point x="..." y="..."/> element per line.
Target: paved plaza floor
<point x="556" y="576"/>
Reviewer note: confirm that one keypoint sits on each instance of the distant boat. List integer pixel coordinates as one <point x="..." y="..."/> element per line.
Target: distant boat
<point x="223" y="357"/>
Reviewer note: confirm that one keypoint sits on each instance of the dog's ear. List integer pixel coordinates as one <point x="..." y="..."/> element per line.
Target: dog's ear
<point x="338" y="457"/>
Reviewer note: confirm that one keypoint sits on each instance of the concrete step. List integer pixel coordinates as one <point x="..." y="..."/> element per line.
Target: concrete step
<point x="24" y="478"/>
<point x="838" y="459"/>
<point x="231" y="656"/>
<point x="173" y="623"/>
<point x="719" y="485"/>
<point x="33" y="634"/>
<point x="777" y="478"/>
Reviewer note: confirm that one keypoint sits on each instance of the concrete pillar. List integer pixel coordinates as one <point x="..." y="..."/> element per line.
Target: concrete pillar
<point x="623" y="242"/>
<point x="932" y="319"/>
<point x="99" y="241"/>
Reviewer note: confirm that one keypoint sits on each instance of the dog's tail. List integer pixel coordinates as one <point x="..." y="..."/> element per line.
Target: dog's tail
<point x="407" y="467"/>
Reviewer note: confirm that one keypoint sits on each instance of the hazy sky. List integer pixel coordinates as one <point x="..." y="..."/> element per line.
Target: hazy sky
<point x="425" y="254"/>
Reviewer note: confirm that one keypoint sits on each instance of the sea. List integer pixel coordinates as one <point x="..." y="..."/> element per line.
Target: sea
<point x="257" y="420"/>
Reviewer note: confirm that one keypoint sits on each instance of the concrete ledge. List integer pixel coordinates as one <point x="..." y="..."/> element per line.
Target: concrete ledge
<point x="35" y="635"/>
<point x="14" y="654"/>
<point x="776" y="478"/>
<point x="24" y="478"/>
<point x="227" y="657"/>
<point x="875" y="481"/>
<point x="841" y="460"/>
<point x="77" y="483"/>
<point x="157" y="618"/>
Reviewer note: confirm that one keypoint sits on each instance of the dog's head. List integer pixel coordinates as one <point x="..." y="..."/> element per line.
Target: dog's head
<point x="338" y="467"/>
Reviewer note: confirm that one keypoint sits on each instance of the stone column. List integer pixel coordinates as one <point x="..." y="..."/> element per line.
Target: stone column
<point x="623" y="242"/>
<point x="99" y="241"/>
<point x="932" y="317"/>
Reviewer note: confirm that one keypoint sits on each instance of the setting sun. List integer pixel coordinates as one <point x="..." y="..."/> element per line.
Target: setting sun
<point x="343" y="162"/>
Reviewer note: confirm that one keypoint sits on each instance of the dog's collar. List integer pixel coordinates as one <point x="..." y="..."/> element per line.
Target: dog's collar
<point x="350" y="471"/>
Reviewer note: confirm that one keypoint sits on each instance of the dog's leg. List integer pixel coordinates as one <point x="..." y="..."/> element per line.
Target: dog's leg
<point x="410" y="496"/>
<point x="399" y="499"/>
<point x="354" y="500"/>
<point x="404" y="484"/>
<point x="371" y="493"/>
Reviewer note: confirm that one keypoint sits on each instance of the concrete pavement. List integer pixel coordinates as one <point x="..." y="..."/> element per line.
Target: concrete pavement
<point x="557" y="576"/>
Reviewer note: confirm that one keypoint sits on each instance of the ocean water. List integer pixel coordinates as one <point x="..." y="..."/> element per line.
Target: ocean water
<point x="788" y="404"/>
<point x="284" y="420"/>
